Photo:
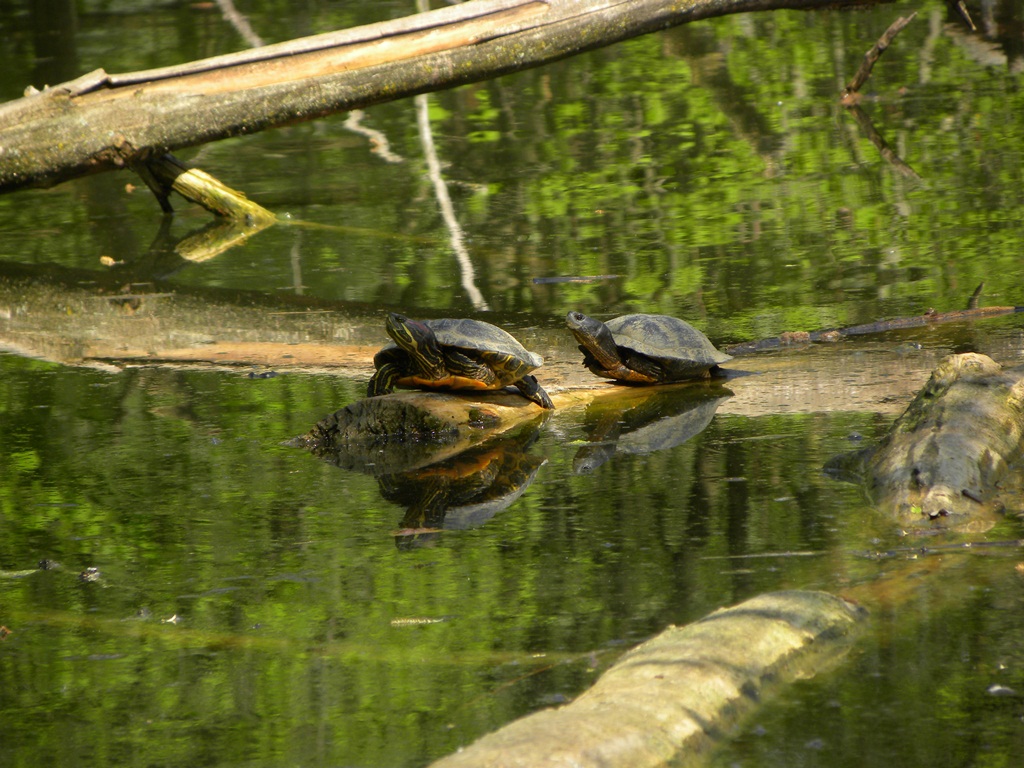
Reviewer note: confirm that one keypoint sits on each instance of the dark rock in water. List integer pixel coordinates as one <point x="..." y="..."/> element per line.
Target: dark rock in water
<point x="379" y="436"/>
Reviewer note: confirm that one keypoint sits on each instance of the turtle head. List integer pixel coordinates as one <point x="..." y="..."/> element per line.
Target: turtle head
<point x="419" y="341"/>
<point x="595" y="338"/>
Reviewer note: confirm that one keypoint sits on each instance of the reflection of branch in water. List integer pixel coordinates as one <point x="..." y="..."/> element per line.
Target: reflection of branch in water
<point x="379" y="144"/>
<point x="444" y="200"/>
<point x="215" y="238"/>
<point x="887" y="152"/>
<point x="851" y="96"/>
<point x="296" y="258"/>
<point x="961" y="8"/>
<point x="239" y="22"/>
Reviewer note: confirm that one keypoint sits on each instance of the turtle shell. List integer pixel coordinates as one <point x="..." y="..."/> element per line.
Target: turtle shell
<point x="677" y="345"/>
<point x="487" y="343"/>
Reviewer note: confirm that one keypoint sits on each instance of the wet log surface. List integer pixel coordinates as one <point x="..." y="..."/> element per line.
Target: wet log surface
<point x="407" y="430"/>
<point x="669" y="697"/>
<point x="945" y="459"/>
<point x="114" y="321"/>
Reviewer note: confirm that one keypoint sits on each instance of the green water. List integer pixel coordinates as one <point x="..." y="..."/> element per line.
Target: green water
<point x="256" y="605"/>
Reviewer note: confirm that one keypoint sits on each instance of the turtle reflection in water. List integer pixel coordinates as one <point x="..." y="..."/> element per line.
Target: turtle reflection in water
<point x="454" y="354"/>
<point x="644" y="349"/>
<point x="461" y="492"/>
<point x="662" y="420"/>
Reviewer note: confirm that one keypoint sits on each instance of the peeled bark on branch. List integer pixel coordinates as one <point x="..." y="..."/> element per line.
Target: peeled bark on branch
<point x="166" y="174"/>
<point x="102" y="122"/>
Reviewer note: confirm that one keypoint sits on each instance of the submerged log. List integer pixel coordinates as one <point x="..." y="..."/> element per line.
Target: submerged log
<point x="833" y="335"/>
<point x="102" y="121"/>
<point x="667" y="699"/>
<point x="945" y="457"/>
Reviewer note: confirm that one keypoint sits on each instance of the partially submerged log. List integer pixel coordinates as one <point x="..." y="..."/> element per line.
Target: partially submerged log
<point x="102" y="122"/>
<point x="118" y="318"/>
<point x="945" y="457"/>
<point x="407" y="430"/>
<point x="668" y="698"/>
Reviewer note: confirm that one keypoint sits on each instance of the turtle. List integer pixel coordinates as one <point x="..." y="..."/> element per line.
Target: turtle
<point x="454" y="353"/>
<point x="644" y="349"/>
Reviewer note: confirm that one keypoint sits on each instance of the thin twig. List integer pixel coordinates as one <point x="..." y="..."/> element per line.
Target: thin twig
<point x="849" y="94"/>
<point x="887" y="152"/>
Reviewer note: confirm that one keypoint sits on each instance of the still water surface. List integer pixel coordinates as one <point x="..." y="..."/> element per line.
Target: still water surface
<point x="253" y="604"/>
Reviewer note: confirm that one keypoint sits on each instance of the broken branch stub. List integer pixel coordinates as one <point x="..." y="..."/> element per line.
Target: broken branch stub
<point x="197" y="186"/>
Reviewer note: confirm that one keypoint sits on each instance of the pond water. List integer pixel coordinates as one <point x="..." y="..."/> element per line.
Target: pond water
<point x="180" y="586"/>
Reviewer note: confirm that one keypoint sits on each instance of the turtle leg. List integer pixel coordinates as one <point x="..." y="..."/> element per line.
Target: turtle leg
<point x="590" y="362"/>
<point x="462" y="365"/>
<point x="383" y="381"/>
<point x="645" y="370"/>
<point x="631" y="376"/>
<point x="533" y="391"/>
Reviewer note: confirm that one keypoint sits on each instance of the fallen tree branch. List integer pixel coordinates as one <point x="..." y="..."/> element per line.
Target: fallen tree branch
<point x="102" y="122"/>
<point x="667" y="700"/>
<point x="850" y="93"/>
<point x="882" y="326"/>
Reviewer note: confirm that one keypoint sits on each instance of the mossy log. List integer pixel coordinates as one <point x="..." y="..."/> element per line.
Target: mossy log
<point x="666" y="699"/>
<point x="944" y="459"/>
<point x="405" y="430"/>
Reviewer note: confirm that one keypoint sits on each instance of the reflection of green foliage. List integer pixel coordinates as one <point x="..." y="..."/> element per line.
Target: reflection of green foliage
<point x="709" y="166"/>
<point x="929" y="669"/>
<point x="286" y="579"/>
<point x="23" y="461"/>
<point x="710" y="169"/>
